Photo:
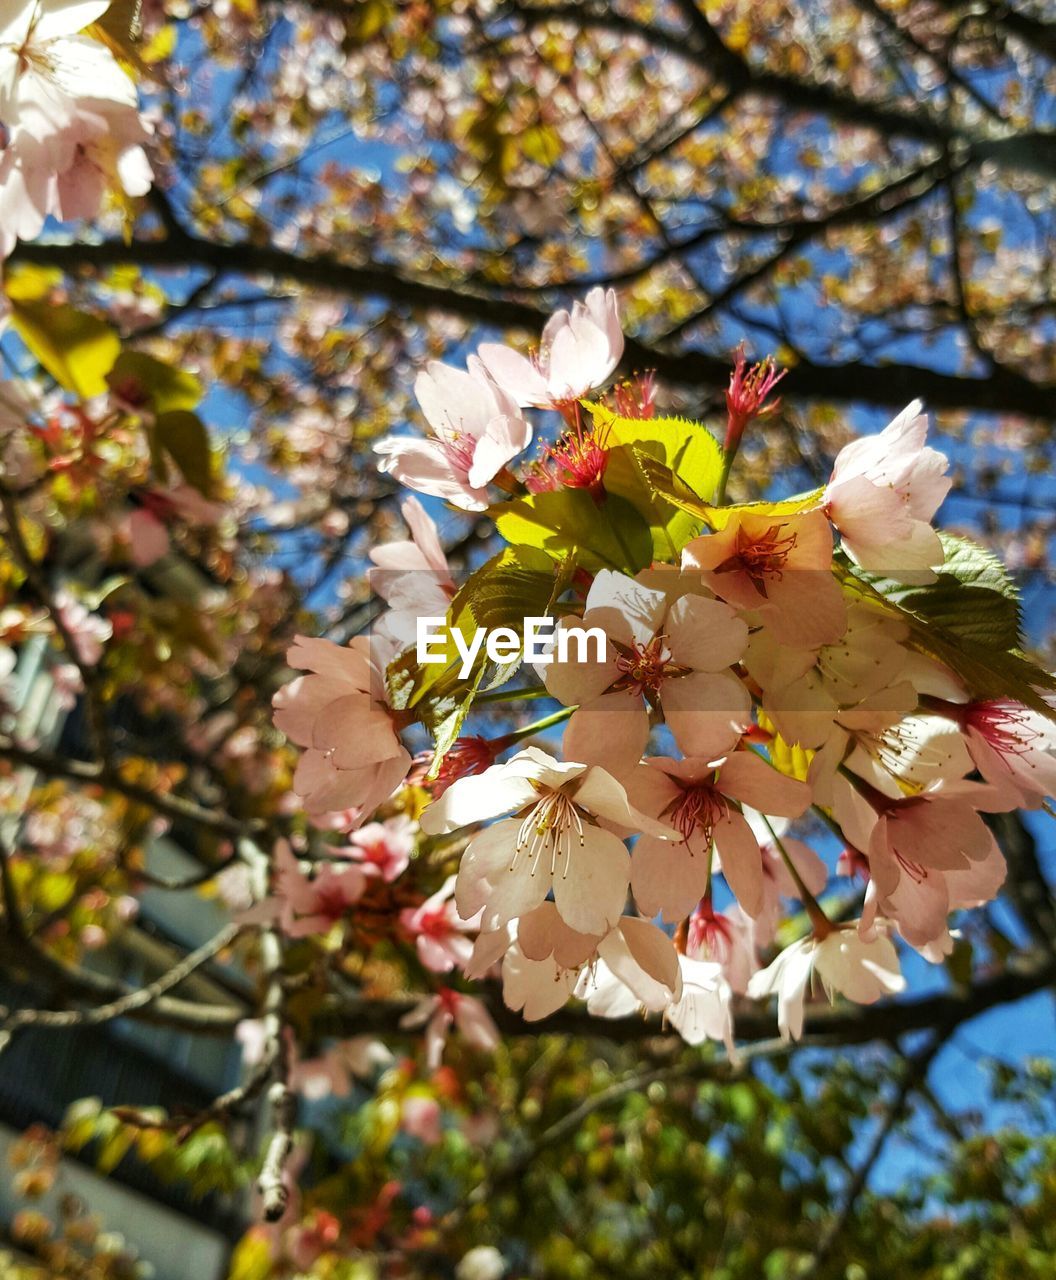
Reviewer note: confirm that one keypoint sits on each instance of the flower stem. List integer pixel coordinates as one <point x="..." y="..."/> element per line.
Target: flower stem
<point x="538" y="726"/>
<point x="728" y="456"/>
<point x="818" y="918"/>
<point x="513" y="695"/>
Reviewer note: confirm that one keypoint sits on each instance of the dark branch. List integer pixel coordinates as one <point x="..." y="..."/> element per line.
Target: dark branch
<point x="1003" y="391"/>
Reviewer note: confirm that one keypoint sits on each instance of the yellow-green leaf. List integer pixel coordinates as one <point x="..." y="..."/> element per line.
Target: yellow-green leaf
<point x="76" y="348"/>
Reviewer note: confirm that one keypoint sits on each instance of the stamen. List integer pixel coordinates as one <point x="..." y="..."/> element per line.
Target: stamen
<point x="643" y="668"/>
<point x="761" y="556"/>
<point x="1004" y="725"/>
<point x="699" y="808"/>
<point x="550" y="822"/>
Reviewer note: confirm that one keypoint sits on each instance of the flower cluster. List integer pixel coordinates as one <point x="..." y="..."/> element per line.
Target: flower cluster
<point x="778" y="712"/>
<point x="70" y="126"/>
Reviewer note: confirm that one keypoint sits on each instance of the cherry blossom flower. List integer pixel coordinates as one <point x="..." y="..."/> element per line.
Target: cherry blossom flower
<point x="447" y="1008"/>
<point x="726" y="938"/>
<point x="697" y="1004"/>
<point x="910" y="755"/>
<point x="700" y="799"/>
<point x="87" y="629"/>
<point x="862" y="969"/>
<point x="421" y="1118"/>
<point x="704" y="1009"/>
<point x="383" y="848"/>
<point x="556" y="842"/>
<point x="920" y="904"/>
<point x="476" y="429"/>
<point x="577" y="460"/>
<point x="639" y="957"/>
<point x="862" y="681"/>
<point x="412" y="577"/>
<point x="938" y="830"/>
<point x="71" y="118"/>
<point x="354" y="756"/>
<point x="535" y="988"/>
<point x="438" y="930"/>
<point x="779" y="566"/>
<point x="1014" y="748"/>
<point x="883" y="494"/>
<point x="676" y="657"/>
<point x="305" y="906"/>
<point x="467" y="756"/>
<point x="578" y="352"/>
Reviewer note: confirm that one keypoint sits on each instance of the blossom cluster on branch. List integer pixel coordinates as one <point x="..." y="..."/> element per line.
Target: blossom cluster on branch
<point x="771" y="673"/>
<point x="70" y="127"/>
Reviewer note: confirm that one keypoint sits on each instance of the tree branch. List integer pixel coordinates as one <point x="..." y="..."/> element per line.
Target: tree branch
<point x="1032" y="151"/>
<point x="130" y="1002"/>
<point x="110" y="778"/>
<point x="1003" y="391"/>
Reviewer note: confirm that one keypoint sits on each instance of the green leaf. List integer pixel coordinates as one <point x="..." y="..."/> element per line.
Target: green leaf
<point x="664" y="483"/>
<point x="686" y="449"/>
<point x="964" y="625"/>
<point x="611" y="535"/>
<point x="541" y="143"/>
<point x="973" y="596"/>
<point x="76" y="348"/>
<point x="140" y="378"/>
<point x="181" y="436"/>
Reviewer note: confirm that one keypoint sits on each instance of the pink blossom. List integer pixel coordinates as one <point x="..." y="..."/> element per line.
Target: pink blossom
<point x="438" y="930"/>
<point x="413" y="578"/>
<point x="704" y="1009"/>
<point x="468" y="756"/>
<point x="88" y="630"/>
<point x="383" y="848"/>
<point x="779" y="567"/>
<point x="695" y="998"/>
<point x="555" y="843"/>
<point x="476" y="429"/>
<point x="701" y="799"/>
<point x="726" y="938"/>
<point x="438" y="1013"/>
<point x="66" y="685"/>
<point x="70" y="111"/>
<point x="305" y="906"/>
<point x="420" y="1117"/>
<point x="577" y="460"/>
<point x="862" y="681"/>
<point x="862" y="969"/>
<point x="578" y="352"/>
<point x="354" y="757"/>
<point x="883" y="494"/>
<point x="535" y="988"/>
<point x="920" y="904"/>
<point x="1014" y="748"/>
<point x="676" y="658"/>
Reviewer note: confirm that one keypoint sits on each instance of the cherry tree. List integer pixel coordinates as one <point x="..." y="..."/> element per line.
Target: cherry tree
<point x="323" y="319"/>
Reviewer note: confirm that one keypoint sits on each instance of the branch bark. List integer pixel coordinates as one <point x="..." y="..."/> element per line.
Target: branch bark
<point x="1002" y="391"/>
